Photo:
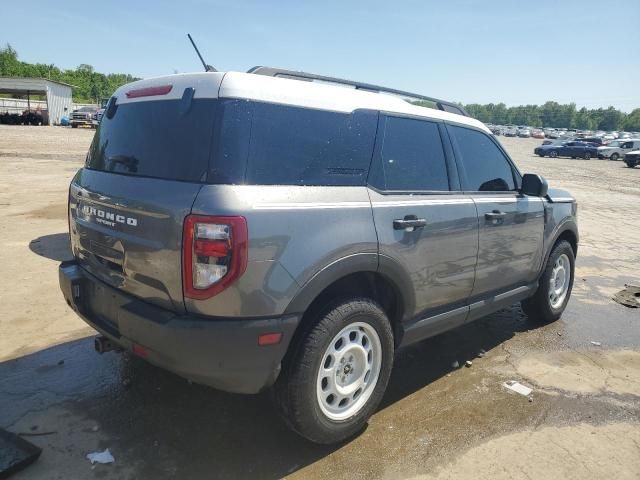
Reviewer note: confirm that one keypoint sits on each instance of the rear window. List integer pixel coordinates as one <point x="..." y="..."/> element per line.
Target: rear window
<point x="236" y="142"/>
<point x="163" y="139"/>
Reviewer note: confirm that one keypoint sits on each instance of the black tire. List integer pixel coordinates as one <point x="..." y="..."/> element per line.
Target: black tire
<point x="630" y="164"/>
<point x="541" y="154"/>
<point x="553" y="154"/>
<point x="294" y="393"/>
<point x="538" y="307"/>
<point x="73" y="125"/>
<point x="587" y="156"/>
<point x="614" y="156"/>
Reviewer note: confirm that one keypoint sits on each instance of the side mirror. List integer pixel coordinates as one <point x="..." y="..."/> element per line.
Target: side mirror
<point x="534" y="185"/>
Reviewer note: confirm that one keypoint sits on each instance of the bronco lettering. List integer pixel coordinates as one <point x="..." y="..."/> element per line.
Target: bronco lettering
<point x="108" y="218"/>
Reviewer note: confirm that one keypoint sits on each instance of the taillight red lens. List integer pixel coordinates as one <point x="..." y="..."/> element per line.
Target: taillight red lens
<point x="211" y="248"/>
<point x="215" y="251"/>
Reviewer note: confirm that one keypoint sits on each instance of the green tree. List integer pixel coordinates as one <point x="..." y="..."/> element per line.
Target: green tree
<point x="632" y="121"/>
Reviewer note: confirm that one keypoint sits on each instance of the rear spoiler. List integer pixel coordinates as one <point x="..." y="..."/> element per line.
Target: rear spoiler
<point x="443" y="105"/>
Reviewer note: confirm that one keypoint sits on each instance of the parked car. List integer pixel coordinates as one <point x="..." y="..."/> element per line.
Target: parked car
<point x="632" y="158"/>
<point x="616" y="149"/>
<point x="524" y="132"/>
<point x="83" y="116"/>
<point x="571" y="149"/>
<point x="551" y="133"/>
<point x="537" y="133"/>
<point x="510" y="132"/>
<point x="97" y="117"/>
<point x="222" y="254"/>
<point x="496" y="130"/>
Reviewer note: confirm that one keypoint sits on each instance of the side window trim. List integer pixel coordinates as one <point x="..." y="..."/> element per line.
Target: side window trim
<point x="376" y="161"/>
<point x="455" y="183"/>
<point x="515" y="173"/>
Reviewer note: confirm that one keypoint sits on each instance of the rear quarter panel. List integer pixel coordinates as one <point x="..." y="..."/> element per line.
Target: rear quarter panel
<point x="294" y="233"/>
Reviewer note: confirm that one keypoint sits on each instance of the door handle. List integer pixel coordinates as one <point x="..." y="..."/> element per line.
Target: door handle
<point x="495" y="215"/>
<point x="409" y="223"/>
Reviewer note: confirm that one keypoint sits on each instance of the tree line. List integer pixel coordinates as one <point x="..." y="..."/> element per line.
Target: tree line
<point x="556" y="115"/>
<point x="89" y="85"/>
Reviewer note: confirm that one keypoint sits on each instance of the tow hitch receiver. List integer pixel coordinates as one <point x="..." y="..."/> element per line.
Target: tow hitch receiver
<point x="103" y="344"/>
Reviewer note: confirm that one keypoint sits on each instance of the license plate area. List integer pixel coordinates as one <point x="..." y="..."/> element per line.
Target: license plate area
<point x="101" y="306"/>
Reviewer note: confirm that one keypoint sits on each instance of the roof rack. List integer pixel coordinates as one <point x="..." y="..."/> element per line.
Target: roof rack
<point x="310" y="77"/>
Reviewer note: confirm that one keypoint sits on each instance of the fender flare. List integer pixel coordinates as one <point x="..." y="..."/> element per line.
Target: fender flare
<point x="356" y="263"/>
<point x="568" y="225"/>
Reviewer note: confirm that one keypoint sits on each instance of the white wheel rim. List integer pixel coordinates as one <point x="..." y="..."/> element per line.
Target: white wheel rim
<point x="559" y="281"/>
<point x="349" y="371"/>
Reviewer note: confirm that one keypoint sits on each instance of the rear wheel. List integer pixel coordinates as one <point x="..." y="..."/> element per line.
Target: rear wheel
<point x="554" y="289"/>
<point x="553" y="154"/>
<point x="614" y="156"/>
<point x="337" y="373"/>
<point x="587" y="156"/>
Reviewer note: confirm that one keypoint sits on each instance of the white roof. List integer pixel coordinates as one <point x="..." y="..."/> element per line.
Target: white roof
<point x="322" y="96"/>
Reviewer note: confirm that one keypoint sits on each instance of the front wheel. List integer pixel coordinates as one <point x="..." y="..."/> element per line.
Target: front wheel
<point x="614" y="157"/>
<point x="586" y="156"/>
<point x="337" y="373"/>
<point x="553" y="154"/>
<point x="630" y="164"/>
<point x="555" y="285"/>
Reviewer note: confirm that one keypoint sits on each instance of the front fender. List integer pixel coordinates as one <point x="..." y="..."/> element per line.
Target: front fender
<point x="566" y="225"/>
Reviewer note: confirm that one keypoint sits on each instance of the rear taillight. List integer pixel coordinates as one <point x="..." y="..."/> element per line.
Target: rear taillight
<point x="214" y="254"/>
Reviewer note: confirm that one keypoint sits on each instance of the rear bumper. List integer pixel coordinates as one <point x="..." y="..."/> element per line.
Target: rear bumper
<point x="222" y="353"/>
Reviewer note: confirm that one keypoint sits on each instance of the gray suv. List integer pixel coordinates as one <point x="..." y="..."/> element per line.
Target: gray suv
<point x="252" y="230"/>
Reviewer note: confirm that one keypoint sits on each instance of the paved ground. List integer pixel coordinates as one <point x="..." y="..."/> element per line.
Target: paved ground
<point x="436" y="421"/>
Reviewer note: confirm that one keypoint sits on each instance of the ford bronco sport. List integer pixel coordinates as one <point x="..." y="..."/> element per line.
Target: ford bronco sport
<point x="253" y="230"/>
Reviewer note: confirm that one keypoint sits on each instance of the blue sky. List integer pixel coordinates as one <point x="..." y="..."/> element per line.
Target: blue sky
<point x="517" y="52"/>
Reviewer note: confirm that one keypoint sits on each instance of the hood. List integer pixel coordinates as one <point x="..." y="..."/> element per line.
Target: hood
<point x="557" y="195"/>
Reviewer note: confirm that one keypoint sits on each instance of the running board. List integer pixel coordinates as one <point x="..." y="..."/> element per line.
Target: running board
<point x="436" y="324"/>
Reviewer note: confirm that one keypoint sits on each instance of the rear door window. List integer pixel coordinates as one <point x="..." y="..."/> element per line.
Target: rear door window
<point x="411" y="157"/>
<point x="160" y="139"/>
<point x="485" y="167"/>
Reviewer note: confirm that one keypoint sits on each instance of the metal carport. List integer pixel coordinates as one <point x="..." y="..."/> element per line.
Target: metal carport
<point x="58" y="94"/>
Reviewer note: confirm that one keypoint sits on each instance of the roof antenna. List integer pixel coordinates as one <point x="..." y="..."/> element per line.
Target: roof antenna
<point x="207" y="68"/>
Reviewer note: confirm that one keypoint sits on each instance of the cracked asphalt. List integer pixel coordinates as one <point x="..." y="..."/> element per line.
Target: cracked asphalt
<point x="437" y="421"/>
